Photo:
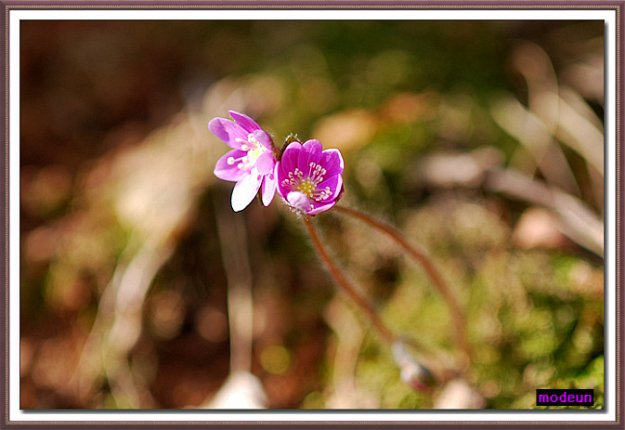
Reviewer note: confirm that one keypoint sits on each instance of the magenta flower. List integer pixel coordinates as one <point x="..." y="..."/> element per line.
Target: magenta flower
<point x="251" y="162"/>
<point x="309" y="179"/>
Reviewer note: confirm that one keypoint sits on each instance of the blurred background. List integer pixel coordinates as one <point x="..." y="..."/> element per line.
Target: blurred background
<point x="140" y="288"/>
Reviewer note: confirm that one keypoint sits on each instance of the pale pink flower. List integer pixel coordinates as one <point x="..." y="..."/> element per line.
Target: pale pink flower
<point x="251" y="163"/>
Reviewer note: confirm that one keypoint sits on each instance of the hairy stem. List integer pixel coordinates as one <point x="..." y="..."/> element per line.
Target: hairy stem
<point x="457" y="314"/>
<point x="346" y="286"/>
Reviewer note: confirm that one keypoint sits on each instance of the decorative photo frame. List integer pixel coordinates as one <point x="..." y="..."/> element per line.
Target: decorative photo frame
<point x="57" y="200"/>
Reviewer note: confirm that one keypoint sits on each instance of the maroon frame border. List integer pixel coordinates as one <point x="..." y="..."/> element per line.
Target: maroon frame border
<point x="7" y="5"/>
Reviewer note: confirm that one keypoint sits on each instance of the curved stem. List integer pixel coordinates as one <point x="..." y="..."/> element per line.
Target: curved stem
<point x="347" y="287"/>
<point x="457" y="314"/>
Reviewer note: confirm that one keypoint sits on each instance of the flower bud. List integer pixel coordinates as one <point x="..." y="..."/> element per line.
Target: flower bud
<point x="413" y="372"/>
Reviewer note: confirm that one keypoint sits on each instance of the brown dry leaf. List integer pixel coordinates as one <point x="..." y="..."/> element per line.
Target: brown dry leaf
<point x="537" y="228"/>
<point x="410" y="107"/>
<point x="346" y="130"/>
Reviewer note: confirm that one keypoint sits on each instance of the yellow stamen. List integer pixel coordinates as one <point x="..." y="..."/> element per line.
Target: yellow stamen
<point x="307" y="187"/>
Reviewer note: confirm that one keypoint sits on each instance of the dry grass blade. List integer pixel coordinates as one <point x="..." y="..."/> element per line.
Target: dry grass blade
<point x="576" y="219"/>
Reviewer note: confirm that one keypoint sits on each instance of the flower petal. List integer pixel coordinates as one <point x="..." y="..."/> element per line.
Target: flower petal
<point x="264" y="139"/>
<point x="228" y="131"/>
<point x="335" y="183"/>
<point x="283" y="189"/>
<point x="288" y="162"/>
<point x="320" y="207"/>
<point x="298" y="200"/>
<point x="229" y="172"/>
<point x="244" y="121"/>
<point x="313" y="146"/>
<point x="303" y="161"/>
<point x="268" y="188"/>
<point x="279" y="177"/>
<point x="332" y="161"/>
<point x="310" y="153"/>
<point x="245" y="190"/>
<point x="265" y="163"/>
<point x="314" y="149"/>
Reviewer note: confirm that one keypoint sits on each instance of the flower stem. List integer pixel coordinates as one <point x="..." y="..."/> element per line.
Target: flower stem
<point x="457" y="314"/>
<point x="346" y="286"/>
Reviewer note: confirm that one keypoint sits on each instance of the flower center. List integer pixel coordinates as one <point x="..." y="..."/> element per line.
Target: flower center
<point x="253" y="154"/>
<point x="307" y="187"/>
<point x="254" y="150"/>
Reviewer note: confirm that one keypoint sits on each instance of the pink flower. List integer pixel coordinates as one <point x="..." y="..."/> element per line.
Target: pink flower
<point x="251" y="162"/>
<point x="309" y="179"/>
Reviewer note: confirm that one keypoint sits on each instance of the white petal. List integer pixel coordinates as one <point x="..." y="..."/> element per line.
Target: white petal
<point x="244" y="191"/>
<point x="298" y="200"/>
<point x="269" y="188"/>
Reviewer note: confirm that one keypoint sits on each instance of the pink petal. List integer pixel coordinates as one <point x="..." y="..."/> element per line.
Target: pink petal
<point x="332" y="161"/>
<point x="245" y="190"/>
<point x="335" y="183"/>
<point x="313" y="146"/>
<point x="303" y="160"/>
<point x="288" y="162"/>
<point x="228" y="131"/>
<point x="265" y="163"/>
<point x="279" y="177"/>
<point x="263" y="138"/>
<point x="268" y="188"/>
<point x="320" y="207"/>
<point x="283" y="190"/>
<point x="244" y="121"/>
<point x="229" y="172"/>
